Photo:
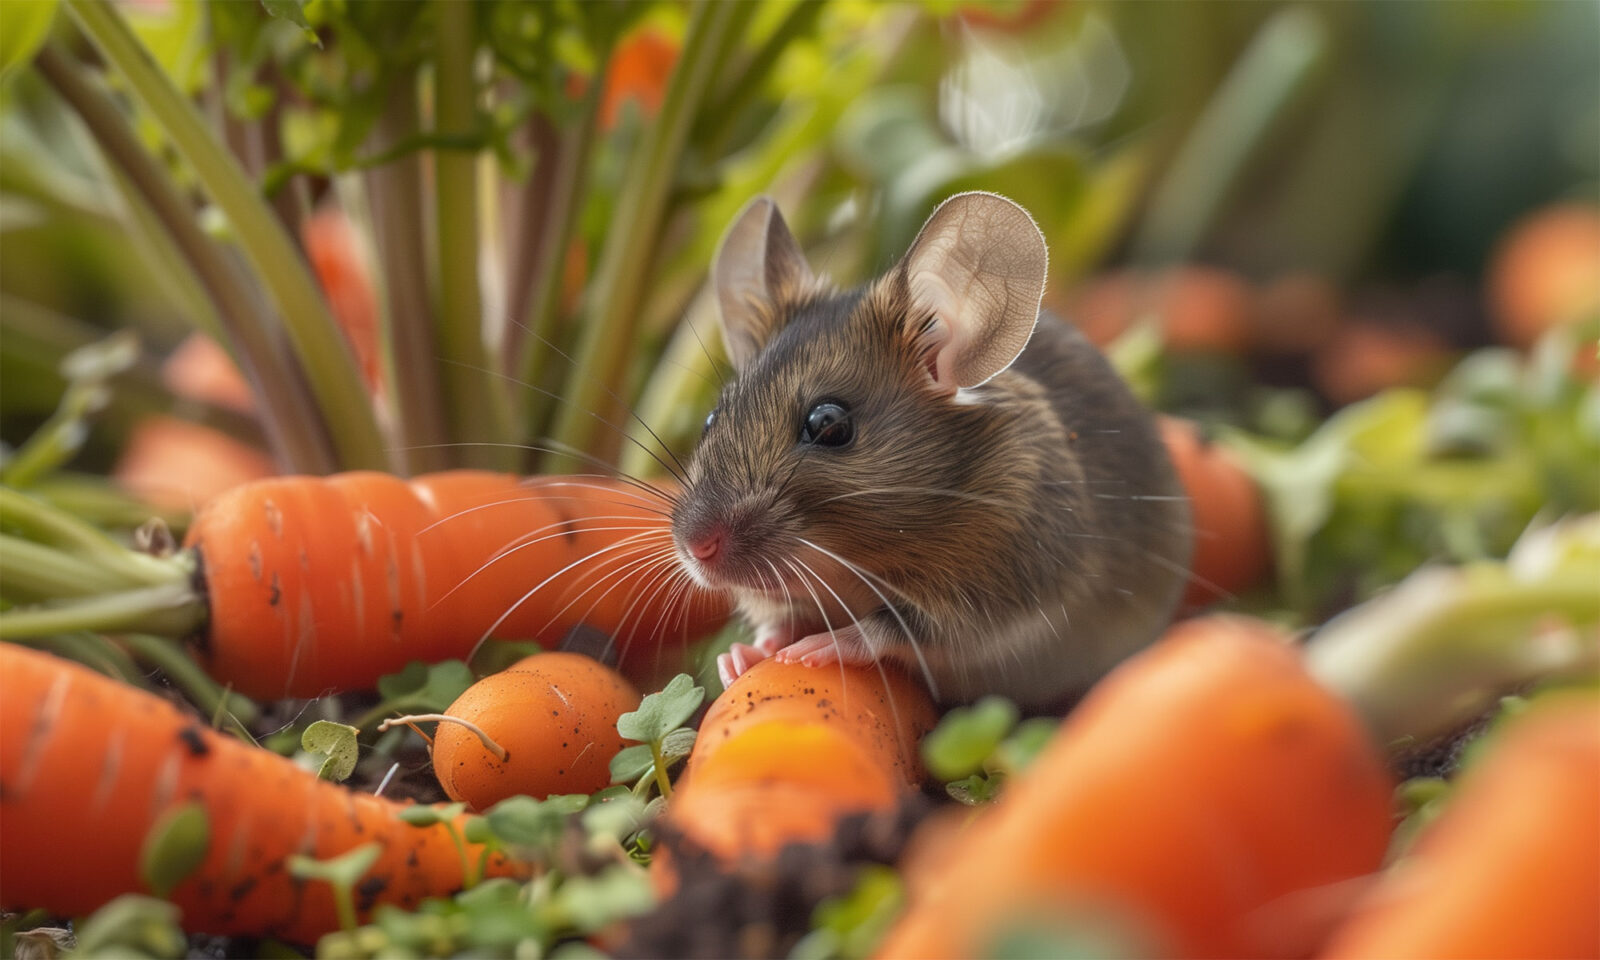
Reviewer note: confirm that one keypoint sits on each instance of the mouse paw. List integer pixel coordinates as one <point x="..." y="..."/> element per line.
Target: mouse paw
<point x="739" y="658"/>
<point x="845" y="645"/>
<point x="771" y="638"/>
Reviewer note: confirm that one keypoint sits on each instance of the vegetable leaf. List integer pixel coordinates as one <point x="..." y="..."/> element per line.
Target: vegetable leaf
<point x="967" y="736"/>
<point x="294" y="12"/>
<point x="661" y="713"/>
<point x="336" y="744"/>
<point x="23" y="29"/>
<point x="174" y="847"/>
<point x="632" y="763"/>
<point x="426" y="816"/>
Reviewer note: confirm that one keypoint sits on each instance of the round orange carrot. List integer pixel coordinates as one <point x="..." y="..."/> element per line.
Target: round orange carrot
<point x="1512" y="866"/>
<point x="318" y="584"/>
<point x="554" y="715"/>
<point x="88" y="765"/>
<point x="1209" y="795"/>
<point x="788" y="749"/>
<point x="1232" y="548"/>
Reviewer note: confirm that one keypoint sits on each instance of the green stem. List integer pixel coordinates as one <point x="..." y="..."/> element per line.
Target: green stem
<point x="170" y="610"/>
<point x="558" y="225"/>
<point x="323" y="353"/>
<point x="294" y="429"/>
<point x="58" y="528"/>
<point x="1260" y="85"/>
<point x="662" y="783"/>
<point x="211" y="697"/>
<point x="620" y="278"/>
<point x="475" y="402"/>
<point x="395" y="191"/>
<point x="1438" y="649"/>
<point x="38" y="572"/>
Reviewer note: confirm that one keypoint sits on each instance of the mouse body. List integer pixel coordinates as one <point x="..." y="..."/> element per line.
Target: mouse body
<point x="927" y="470"/>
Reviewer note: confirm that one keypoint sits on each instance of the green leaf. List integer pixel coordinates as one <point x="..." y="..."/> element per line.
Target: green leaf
<point x="174" y="847"/>
<point x="427" y="815"/>
<point x="677" y="744"/>
<point x="526" y="822"/>
<point x="615" y="819"/>
<point x="132" y="926"/>
<point x="854" y="923"/>
<point x="336" y="744"/>
<point x="975" y="789"/>
<point x="411" y="678"/>
<point x="967" y="736"/>
<point x="1018" y="751"/>
<point x="593" y="902"/>
<point x="24" y="25"/>
<point x="661" y="713"/>
<point x="294" y="12"/>
<point x="632" y="763"/>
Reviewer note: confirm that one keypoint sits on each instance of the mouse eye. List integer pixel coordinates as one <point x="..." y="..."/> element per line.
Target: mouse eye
<point x="710" y="419"/>
<point x="828" y="425"/>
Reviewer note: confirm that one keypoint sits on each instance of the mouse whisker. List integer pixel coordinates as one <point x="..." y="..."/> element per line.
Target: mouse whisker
<point x="625" y="543"/>
<point x="877" y="661"/>
<point x="664" y="575"/>
<point x="534" y="537"/>
<point x="625" y="574"/>
<point x="928" y="491"/>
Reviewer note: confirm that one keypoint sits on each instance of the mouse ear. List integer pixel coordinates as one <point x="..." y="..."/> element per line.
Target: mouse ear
<point x="976" y="275"/>
<point x="758" y="266"/>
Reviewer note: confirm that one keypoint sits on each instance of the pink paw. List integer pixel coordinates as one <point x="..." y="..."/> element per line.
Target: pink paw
<point x="822" y="649"/>
<point x="739" y="658"/>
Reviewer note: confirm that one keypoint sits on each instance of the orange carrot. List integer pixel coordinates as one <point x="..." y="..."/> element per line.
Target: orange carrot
<point x="199" y="369"/>
<point x="1232" y="549"/>
<point x="554" y="715"/>
<point x="1512" y="866"/>
<point x="334" y="249"/>
<point x="180" y="466"/>
<point x="1209" y="794"/>
<point x="788" y="749"/>
<point x="1200" y="310"/>
<point x="1545" y="273"/>
<point x="89" y="765"/>
<point x="318" y="584"/>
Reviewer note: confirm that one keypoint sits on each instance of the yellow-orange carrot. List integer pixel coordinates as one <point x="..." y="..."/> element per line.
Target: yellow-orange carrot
<point x="788" y="749"/>
<point x="1209" y="795"/>
<point x="319" y="584"/>
<point x="554" y="715"/>
<point x="1512" y="866"/>
<point x="88" y="765"/>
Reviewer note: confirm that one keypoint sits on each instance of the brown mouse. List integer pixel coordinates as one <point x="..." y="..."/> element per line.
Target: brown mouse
<point x="927" y="470"/>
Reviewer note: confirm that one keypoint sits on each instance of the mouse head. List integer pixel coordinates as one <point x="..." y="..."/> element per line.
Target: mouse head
<point x="860" y="426"/>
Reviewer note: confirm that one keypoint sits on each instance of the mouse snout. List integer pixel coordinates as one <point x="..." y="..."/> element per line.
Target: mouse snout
<point x="705" y="544"/>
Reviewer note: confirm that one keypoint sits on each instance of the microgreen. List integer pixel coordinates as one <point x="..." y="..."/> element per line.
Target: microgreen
<point x="174" y="847"/>
<point x="342" y="873"/>
<point x="658" y="724"/>
<point x="332" y="747"/>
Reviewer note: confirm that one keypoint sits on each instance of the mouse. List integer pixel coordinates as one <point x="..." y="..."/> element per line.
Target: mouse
<point x="927" y="469"/>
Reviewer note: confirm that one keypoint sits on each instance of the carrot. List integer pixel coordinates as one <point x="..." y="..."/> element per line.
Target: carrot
<point x="1200" y="310"/>
<point x="1209" y="793"/>
<point x="334" y="248"/>
<point x="555" y="717"/>
<point x="89" y="765"/>
<point x="177" y="466"/>
<point x="199" y="369"/>
<point x="297" y="586"/>
<point x="1232" y="546"/>
<point x="318" y="584"/>
<point x="787" y="750"/>
<point x="1512" y="866"/>
<point x="1364" y="358"/>
<point x="1545" y="273"/>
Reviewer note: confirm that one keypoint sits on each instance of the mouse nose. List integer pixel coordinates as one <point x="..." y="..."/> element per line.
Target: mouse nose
<point x="706" y="544"/>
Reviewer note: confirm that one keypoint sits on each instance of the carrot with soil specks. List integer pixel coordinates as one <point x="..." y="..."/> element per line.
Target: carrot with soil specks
<point x="306" y="585"/>
<point x="89" y="765"/>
